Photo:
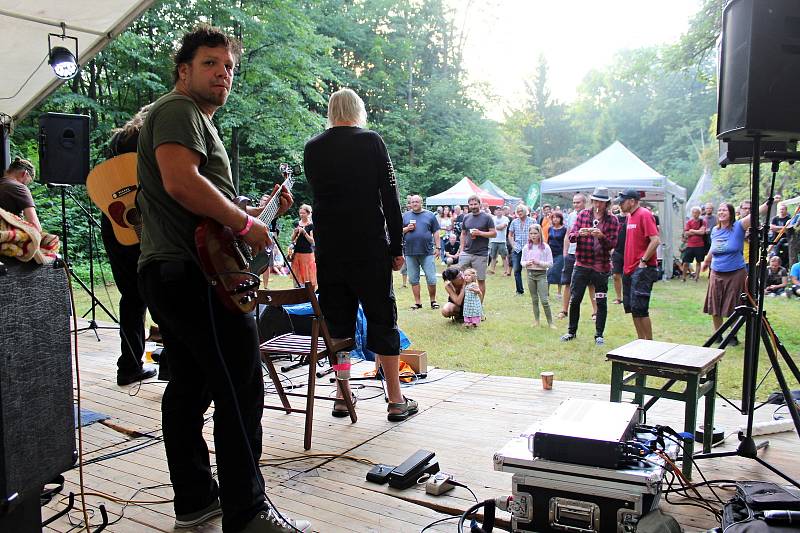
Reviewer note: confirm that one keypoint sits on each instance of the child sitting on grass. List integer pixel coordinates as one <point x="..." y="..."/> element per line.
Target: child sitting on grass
<point x="473" y="309"/>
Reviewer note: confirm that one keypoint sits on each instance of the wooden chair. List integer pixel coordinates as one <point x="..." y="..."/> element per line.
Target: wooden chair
<point x="305" y="346"/>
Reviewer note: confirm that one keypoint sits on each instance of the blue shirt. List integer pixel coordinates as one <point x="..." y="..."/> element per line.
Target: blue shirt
<point x="795" y="271"/>
<point x="520" y="231"/>
<point x="420" y="241"/>
<point x="727" y="248"/>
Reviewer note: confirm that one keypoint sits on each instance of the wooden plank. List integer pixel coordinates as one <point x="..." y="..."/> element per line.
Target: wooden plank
<point x="465" y="418"/>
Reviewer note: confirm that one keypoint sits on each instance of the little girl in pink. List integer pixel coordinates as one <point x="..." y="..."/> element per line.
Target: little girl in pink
<point x="472" y="308"/>
<point x="537" y="258"/>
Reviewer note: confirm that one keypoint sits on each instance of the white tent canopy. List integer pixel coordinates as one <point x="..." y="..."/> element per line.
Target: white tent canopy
<point x="24" y="26"/>
<point x="703" y="187"/>
<point x="618" y="168"/>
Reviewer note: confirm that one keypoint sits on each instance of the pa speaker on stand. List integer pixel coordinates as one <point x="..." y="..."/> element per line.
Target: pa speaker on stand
<point x="759" y="80"/>
<point x="759" y="71"/>
<point x="64" y="148"/>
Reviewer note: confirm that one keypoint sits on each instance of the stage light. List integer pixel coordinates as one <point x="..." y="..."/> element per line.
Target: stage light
<point x="61" y="59"/>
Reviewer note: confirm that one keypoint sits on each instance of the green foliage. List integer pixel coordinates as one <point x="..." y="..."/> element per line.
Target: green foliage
<point x="405" y="60"/>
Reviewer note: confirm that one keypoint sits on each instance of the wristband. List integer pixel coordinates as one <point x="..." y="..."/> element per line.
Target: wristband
<point x="247" y="227"/>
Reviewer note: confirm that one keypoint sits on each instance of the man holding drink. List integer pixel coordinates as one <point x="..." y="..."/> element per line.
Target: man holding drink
<point x="421" y="245"/>
<point x="478" y="228"/>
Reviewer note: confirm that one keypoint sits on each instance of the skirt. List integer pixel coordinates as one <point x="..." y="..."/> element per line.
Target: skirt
<point x="305" y="268"/>
<point x="554" y="272"/>
<point x="724" y="289"/>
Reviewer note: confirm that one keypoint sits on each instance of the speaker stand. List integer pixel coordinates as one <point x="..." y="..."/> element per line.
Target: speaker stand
<point x="758" y="329"/>
<point x="92" y="326"/>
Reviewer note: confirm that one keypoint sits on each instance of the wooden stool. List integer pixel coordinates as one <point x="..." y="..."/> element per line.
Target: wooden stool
<point x="695" y="365"/>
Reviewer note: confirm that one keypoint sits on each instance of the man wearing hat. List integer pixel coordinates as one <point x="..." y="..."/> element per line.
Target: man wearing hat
<point x="640" y="266"/>
<point x="595" y="234"/>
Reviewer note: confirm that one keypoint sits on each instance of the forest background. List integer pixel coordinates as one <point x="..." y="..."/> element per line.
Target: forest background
<point x="404" y="57"/>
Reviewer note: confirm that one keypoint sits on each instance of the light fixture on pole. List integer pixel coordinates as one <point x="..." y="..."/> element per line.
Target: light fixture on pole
<point x="63" y="61"/>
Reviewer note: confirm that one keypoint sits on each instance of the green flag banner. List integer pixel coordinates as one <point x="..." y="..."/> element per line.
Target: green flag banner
<point x="533" y="195"/>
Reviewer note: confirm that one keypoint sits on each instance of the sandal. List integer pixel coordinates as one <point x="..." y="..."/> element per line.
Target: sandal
<point x="340" y="407"/>
<point x="561" y="315"/>
<point x="415" y="307"/>
<point x="594" y="317"/>
<point x="617" y="301"/>
<point x="407" y="408"/>
<point x="434" y="305"/>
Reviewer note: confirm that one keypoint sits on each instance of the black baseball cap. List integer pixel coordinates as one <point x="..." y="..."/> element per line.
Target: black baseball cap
<point x="629" y="193"/>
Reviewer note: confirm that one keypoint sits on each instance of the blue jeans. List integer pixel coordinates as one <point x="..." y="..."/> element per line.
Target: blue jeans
<point x="516" y="262"/>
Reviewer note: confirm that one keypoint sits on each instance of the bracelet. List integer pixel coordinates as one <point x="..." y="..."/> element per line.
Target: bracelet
<point x="247" y="227"/>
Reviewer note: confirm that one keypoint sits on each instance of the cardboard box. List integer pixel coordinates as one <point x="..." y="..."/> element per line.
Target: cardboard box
<point x="416" y="359"/>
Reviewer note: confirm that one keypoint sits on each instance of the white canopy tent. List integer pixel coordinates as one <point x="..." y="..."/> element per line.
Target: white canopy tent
<point x="24" y="27"/>
<point x="618" y="168"/>
<point x="703" y="187"/>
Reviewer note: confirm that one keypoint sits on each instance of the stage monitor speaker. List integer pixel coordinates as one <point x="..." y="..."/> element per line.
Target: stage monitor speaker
<point x="741" y="152"/>
<point x="63" y="148"/>
<point x="37" y="422"/>
<point x="759" y="70"/>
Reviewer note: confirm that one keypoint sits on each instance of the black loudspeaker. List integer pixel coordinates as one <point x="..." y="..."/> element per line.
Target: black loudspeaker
<point x="63" y="148"/>
<point x="759" y="70"/>
<point x="741" y="152"/>
<point x="37" y="422"/>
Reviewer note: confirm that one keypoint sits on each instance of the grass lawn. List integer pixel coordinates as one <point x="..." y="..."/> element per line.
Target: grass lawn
<point x="508" y="344"/>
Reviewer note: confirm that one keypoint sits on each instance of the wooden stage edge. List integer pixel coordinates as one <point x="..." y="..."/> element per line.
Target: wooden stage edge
<point x="464" y="418"/>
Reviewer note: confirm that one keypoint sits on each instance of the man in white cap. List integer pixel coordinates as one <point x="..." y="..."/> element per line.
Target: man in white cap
<point x="595" y="233"/>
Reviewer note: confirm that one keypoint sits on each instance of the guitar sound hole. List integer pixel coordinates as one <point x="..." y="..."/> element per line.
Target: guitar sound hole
<point x="133" y="217"/>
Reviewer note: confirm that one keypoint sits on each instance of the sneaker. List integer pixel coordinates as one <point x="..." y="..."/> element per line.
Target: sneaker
<point x="566" y="337"/>
<point x="268" y="521"/>
<point x="146" y="372"/>
<point x="599" y="341"/>
<point x="197" y="518"/>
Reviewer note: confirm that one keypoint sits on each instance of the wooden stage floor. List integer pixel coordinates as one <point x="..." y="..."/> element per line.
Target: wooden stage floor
<point x="464" y="418"/>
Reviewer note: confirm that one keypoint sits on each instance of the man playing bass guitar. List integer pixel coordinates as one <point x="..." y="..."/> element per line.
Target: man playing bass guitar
<point x="184" y="175"/>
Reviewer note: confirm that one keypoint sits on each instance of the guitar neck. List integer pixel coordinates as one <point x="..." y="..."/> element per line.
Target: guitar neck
<point x="271" y="209"/>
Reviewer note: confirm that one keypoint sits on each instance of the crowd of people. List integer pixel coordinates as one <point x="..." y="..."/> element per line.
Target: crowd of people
<point x="587" y="247"/>
<point x="572" y="250"/>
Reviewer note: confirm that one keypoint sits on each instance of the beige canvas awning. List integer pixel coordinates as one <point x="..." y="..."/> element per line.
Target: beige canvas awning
<point x="25" y="76"/>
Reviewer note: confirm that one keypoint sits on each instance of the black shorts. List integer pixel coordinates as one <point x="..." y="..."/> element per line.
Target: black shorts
<point x="636" y="289"/>
<point x="566" y="274"/>
<point x="695" y="253"/>
<point x="617" y="262"/>
<point x="342" y="285"/>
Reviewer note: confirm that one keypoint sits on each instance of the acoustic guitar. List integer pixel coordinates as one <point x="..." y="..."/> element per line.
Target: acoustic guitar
<point x="112" y="187"/>
<point x="228" y="261"/>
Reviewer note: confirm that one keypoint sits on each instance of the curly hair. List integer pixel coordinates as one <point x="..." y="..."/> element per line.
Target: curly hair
<point x="204" y="35"/>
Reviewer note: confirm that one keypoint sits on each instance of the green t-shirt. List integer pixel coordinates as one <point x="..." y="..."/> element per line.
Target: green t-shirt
<point x="167" y="227"/>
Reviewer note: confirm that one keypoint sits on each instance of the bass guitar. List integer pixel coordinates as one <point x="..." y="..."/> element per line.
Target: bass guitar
<point x="228" y="262"/>
<point x="112" y="187"/>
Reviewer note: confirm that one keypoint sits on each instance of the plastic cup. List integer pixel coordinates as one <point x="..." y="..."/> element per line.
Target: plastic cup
<point x="547" y="380"/>
<point x="148" y="351"/>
